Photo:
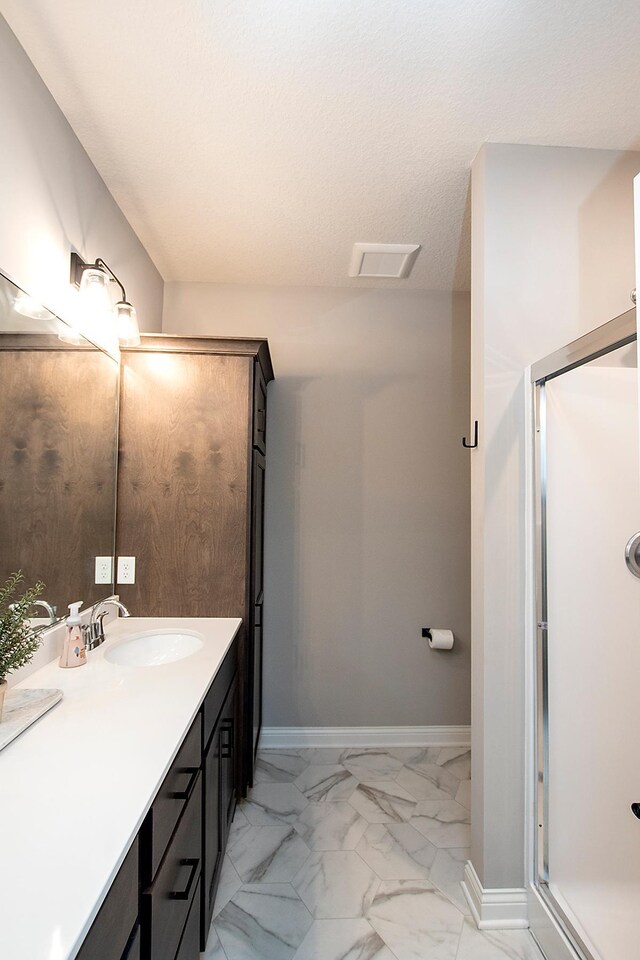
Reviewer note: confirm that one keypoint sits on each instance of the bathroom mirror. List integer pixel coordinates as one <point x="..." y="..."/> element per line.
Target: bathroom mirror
<point x="58" y="434"/>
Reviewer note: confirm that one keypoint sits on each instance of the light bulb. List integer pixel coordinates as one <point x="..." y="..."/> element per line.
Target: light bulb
<point x="95" y="310"/>
<point x="127" y="324"/>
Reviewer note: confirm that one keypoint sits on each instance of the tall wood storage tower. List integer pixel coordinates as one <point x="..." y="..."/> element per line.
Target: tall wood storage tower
<point x="191" y="494"/>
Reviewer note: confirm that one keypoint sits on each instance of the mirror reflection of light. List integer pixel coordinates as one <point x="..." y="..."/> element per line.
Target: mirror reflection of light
<point x="30" y="307"/>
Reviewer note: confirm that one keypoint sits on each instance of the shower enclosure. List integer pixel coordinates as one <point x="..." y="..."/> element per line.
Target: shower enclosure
<point x="587" y="859"/>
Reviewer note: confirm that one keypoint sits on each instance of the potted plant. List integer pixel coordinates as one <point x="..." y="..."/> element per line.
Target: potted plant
<point x="18" y="640"/>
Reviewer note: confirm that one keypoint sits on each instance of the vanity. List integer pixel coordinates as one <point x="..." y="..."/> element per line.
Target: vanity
<point x="115" y="808"/>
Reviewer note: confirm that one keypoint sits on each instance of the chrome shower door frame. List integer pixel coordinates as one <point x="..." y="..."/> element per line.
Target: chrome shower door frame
<point x="609" y="337"/>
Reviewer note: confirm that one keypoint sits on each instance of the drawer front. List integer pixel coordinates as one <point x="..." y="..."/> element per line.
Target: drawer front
<point x="189" y="948"/>
<point x="172" y="797"/>
<point x="133" y="949"/>
<point x="217" y="694"/>
<point x="166" y="903"/>
<point x="110" y="931"/>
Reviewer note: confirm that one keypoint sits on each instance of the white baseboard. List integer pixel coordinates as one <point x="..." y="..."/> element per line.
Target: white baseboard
<point x="280" y="737"/>
<point x="499" y="909"/>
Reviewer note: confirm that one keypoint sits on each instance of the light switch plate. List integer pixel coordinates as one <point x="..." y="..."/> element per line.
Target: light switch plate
<point x="104" y="570"/>
<point x="126" y="570"/>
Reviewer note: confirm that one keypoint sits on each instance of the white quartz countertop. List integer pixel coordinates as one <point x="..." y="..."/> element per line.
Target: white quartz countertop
<point x="76" y="786"/>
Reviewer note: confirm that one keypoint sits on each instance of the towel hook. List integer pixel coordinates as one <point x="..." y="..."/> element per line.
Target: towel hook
<point x="471" y="446"/>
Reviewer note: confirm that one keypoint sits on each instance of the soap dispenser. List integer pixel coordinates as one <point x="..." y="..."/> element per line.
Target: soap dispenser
<point x="73" y="650"/>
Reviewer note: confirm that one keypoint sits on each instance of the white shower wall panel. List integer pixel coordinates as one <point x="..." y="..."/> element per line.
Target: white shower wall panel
<point x="594" y="652"/>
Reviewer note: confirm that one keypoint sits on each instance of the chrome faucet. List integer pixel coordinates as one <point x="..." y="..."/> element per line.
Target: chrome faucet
<point x="51" y="611"/>
<point x="93" y="632"/>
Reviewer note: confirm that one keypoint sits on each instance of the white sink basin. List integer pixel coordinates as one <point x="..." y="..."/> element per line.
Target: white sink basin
<point x="154" y="648"/>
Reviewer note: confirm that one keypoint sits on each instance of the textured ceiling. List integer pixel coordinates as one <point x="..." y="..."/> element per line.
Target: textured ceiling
<point x="254" y="142"/>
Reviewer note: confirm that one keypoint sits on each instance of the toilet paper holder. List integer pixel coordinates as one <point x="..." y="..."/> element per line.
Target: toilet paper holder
<point x="426" y="632"/>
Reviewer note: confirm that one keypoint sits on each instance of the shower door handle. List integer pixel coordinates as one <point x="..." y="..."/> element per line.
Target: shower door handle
<point x="632" y="555"/>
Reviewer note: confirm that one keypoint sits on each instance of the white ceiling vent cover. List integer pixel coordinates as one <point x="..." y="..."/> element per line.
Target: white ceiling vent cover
<point x="391" y="260"/>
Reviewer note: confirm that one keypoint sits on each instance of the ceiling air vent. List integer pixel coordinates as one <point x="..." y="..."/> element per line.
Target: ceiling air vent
<point x="386" y="260"/>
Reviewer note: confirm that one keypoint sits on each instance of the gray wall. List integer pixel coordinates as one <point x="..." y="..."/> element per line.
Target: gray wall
<point x="367" y="527"/>
<point x="52" y="198"/>
<point x="552" y="258"/>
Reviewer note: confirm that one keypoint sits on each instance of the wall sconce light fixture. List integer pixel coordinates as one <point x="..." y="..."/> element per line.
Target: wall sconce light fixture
<point x="93" y="281"/>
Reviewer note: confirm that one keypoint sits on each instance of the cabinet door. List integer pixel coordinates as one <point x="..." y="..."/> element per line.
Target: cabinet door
<point x="259" y="409"/>
<point x="257" y="678"/>
<point x="167" y="902"/>
<point x="228" y="737"/>
<point x="111" y="930"/>
<point x="212" y="839"/>
<point x="256" y="625"/>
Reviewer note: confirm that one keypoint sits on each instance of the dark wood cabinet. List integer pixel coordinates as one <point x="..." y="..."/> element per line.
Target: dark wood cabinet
<point x="112" y="931"/>
<point x="193" y="429"/>
<point x="159" y="906"/>
<point x="167" y="901"/>
<point x="257" y="598"/>
<point x="219" y="765"/>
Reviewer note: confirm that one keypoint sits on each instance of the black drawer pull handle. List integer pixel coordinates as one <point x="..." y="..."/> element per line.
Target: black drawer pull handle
<point x="226" y="749"/>
<point x="194" y="863"/>
<point x="186" y="793"/>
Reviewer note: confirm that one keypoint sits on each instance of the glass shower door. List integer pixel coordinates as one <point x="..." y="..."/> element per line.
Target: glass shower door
<point x="589" y="654"/>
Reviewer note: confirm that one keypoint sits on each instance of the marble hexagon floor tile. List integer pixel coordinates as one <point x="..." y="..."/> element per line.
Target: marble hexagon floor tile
<point x="415" y="755"/>
<point x="331" y="826"/>
<point x="444" y="822"/>
<point x="239" y="826"/>
<point x="336" y="885"/>
<point x="324" y="755"/>
<point x="457" y="760"/>
<point x="372" y="765"/>
<point x="383" y="802"/>
<point x="269" y="854"/>
<point x="395" y="851"/>
<point x="415" y="920"/>
<point x="321" y="782"/>
<point x="496" y="944"/>
<point x="228" y="884"/>
<point x="448" y="871"/>
<point x="463" y="795"/>
<point x="279" y="766"/>
<point x="273" y="803"/>
<point x="343" y="940"/>
<point x="428" y="781"/>
<point x="265" y="921"/>
<point x="213" y="950"/>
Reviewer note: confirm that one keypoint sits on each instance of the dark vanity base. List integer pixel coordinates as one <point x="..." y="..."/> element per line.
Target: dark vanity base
<point x="160" y="904"/>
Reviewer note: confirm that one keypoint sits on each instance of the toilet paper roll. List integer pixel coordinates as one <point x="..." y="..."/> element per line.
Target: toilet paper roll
<point x="440" y="639"/>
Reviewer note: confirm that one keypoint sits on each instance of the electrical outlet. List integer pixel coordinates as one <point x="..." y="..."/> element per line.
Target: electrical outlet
<point x="126" y="570"/>
<point x="104" y="570"/>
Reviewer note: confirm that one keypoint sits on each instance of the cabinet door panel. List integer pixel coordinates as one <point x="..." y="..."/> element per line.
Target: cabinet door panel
<point x="228" y="735"/>
<point x="133" y="949"/>
<point x="172" y="798"/>
<point x="257" y="679"/>
<point x="166" y="903"/>
<point x="112" y="928"/>
<point x="259" y="410"/>
<point x="189" y="948"/>
<point x="212" y="840"/>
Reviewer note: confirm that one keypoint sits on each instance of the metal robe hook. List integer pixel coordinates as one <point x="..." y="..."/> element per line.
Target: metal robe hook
<point x="471" y="446"/>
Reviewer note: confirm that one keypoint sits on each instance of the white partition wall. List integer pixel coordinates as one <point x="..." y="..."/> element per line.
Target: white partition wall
<point x="589" y="500"/>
